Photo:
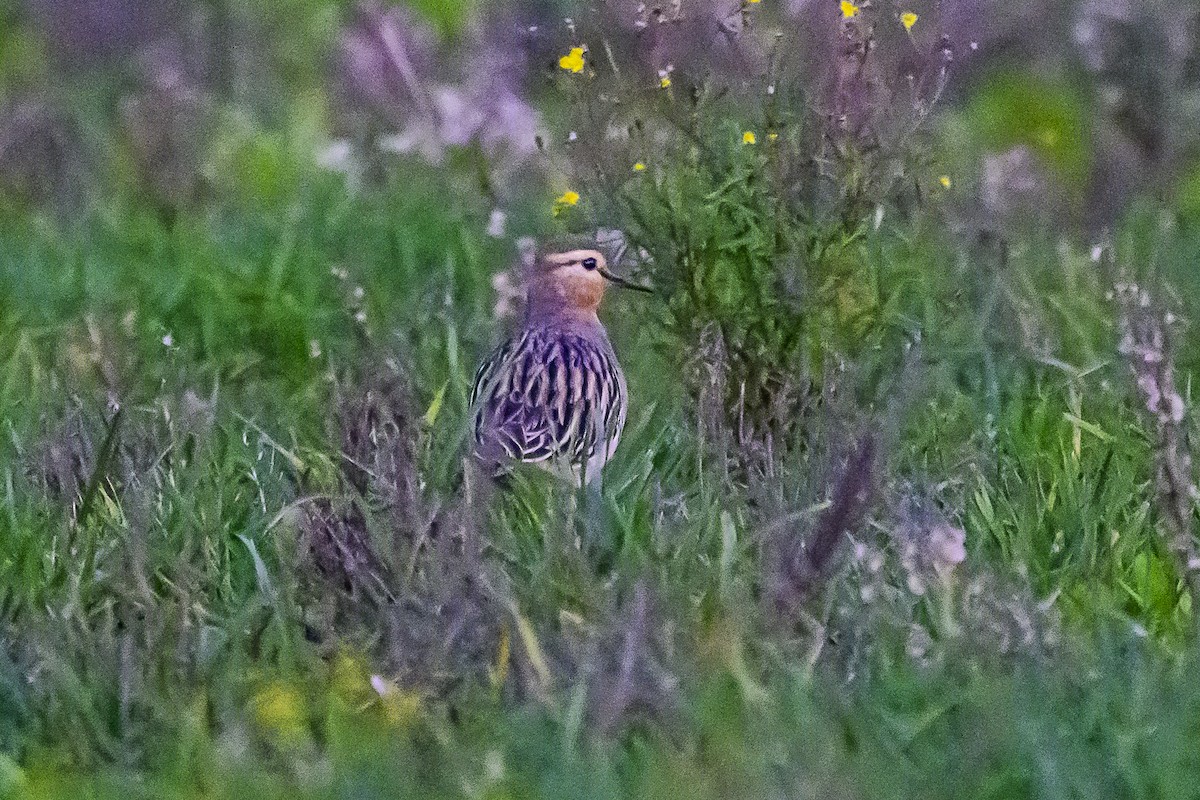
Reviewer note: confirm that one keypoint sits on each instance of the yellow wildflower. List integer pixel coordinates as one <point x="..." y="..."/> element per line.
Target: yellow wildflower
<point x="567" y="198"/>
<point x="638" y="167"/>
<point x="848" y="9"/>
<point x="908" y="19"/>
<point x="944" y="180"/>
<point x="400" y="707"/>
<point x="749" y="138"/>
<point x="349" y="677"/>
<point x="279" y="710"/>
<point x="773" y="136"/>
<point x="752" y="2"/>
<point x="573" y="61"/>
<point x="664" y="82"/>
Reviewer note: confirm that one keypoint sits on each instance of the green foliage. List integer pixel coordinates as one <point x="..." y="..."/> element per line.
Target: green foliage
<point x="179" y="396"/>
<point x="761" y="201"/>
<point x="1049" y="116"/>
<point x="448" y="18"/>
<point x="1189" y="193"/>
<point x="207" y="576"/>
<point x="22" y="56"/>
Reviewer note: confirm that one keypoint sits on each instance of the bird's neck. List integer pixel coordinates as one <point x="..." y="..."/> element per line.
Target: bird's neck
<point x="583" y="319"/>
<point x="574" y="303"/>
<point x="575" y="297"/>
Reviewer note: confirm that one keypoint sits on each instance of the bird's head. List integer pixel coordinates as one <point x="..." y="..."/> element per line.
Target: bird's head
<point x="571" y="277"/>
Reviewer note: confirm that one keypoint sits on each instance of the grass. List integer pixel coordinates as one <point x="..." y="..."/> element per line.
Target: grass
<point x="236" y="558"/>
<point x="164" y="633"/>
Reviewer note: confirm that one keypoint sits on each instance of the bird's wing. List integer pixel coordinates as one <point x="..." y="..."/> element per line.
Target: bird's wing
<point x="488" y="369"/>
<point x="508" y="420"/>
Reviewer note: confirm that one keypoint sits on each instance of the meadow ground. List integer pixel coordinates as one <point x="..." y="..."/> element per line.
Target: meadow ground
<point x="904" y="506"/>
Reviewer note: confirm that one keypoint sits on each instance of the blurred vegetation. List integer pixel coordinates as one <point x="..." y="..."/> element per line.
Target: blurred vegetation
<point x="893" y="512"/>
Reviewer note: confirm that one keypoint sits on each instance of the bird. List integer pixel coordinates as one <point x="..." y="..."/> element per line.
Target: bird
<point x="553" y="393"/>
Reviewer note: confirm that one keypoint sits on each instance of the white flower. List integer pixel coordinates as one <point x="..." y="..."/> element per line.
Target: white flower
<point x="338" y="156"/>
<point x="947" y="547"/>
<point x="497" y="223"/>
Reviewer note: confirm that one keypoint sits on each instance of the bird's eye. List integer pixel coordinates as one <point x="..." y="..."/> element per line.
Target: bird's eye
<point x="589" y="263"/>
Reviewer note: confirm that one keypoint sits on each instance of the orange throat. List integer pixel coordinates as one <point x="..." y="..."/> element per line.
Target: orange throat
<point x="571" y="295"/>
<point x="583" y="294"/>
